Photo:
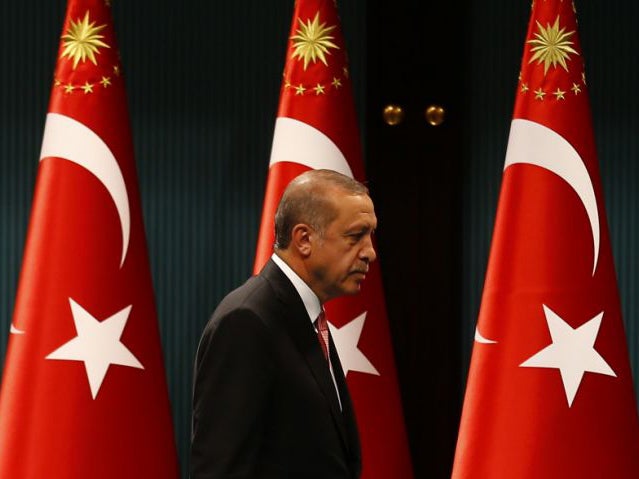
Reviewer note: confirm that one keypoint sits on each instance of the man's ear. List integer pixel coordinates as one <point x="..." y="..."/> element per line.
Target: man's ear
<point x="301" y="239"/>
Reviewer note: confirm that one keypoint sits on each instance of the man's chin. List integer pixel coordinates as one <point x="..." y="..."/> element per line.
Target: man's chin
<point x="354" y="287"/>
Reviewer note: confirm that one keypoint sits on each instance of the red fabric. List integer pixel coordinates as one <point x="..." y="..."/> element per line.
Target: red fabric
<point x="322" y="333"/>
<point x="376" y="397"/>
<point x="520" y="421"/>
<point x="52" y="425"/>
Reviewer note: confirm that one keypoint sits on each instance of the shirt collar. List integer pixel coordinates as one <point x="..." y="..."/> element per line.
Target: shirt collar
<point x="309" y="298"/>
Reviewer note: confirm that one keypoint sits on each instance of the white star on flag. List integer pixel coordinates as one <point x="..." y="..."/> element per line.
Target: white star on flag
<point x="97" y="344"/>
<point x="346" y="339"/>
<point x="572" y="352"/>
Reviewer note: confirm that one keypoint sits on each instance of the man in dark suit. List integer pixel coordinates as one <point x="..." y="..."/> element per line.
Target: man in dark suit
<point x="270" y="399"/>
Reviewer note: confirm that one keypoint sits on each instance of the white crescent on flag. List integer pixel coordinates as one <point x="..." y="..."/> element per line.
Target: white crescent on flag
<point x="70" y="140"/>
<point x="299" y="142"/>
<point x="481" y="339"/>
<point x="535" y="144"/>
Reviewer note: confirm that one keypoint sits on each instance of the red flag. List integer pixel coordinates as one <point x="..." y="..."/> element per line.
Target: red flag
<point x="550" y="391"/>
<point x="84" y="391"/>
<point x="316" y="128"/>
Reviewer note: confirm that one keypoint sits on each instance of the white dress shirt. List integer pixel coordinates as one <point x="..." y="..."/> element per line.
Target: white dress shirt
<point x="310" y="300"/>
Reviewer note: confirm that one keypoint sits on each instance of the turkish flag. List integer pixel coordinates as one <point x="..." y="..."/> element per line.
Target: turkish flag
<point x="84" y="391"/>
<point x="550" y="392"/>
<point x="316" y="127"/>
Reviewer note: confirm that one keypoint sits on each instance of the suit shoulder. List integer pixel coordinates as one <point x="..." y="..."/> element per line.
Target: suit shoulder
<point x="254" y="295"/>
<point x="245" y="306"/>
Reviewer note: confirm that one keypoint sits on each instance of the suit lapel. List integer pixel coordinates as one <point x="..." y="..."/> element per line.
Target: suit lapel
<point x="348" y="415"/>
<point x="299" y="327"/>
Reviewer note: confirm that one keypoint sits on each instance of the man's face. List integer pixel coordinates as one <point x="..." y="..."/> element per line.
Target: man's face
<point x="340" y="258"/>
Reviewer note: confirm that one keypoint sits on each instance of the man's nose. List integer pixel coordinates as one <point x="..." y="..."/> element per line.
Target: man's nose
<point x="368" y="253"/>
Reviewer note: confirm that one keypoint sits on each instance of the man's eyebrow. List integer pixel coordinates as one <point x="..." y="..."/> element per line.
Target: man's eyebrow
<point x="358" y="229"/>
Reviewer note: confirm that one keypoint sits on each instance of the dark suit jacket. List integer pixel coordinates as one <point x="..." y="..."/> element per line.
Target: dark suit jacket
<point x="264" y="403"/>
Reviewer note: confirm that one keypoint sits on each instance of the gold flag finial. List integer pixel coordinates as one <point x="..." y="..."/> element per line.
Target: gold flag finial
<point x="312" y="41"/>
<point x="551" y="46"/>
<point x="82" y="40"/>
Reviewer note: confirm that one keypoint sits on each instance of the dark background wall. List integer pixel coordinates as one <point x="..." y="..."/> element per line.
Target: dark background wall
<point x="203" y="82"/>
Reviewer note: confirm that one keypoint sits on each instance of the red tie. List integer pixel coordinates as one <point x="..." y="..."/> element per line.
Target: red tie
<point x="322" y="333"/>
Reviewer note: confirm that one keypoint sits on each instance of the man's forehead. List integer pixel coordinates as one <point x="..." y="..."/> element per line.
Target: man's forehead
<point x="360" y="216"/>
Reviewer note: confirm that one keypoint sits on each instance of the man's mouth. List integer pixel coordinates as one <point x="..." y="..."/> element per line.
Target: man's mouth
<point x="358" y="271"/>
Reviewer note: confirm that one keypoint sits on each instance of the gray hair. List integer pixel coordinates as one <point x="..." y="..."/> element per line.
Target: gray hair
<point x="307" y="199"/>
